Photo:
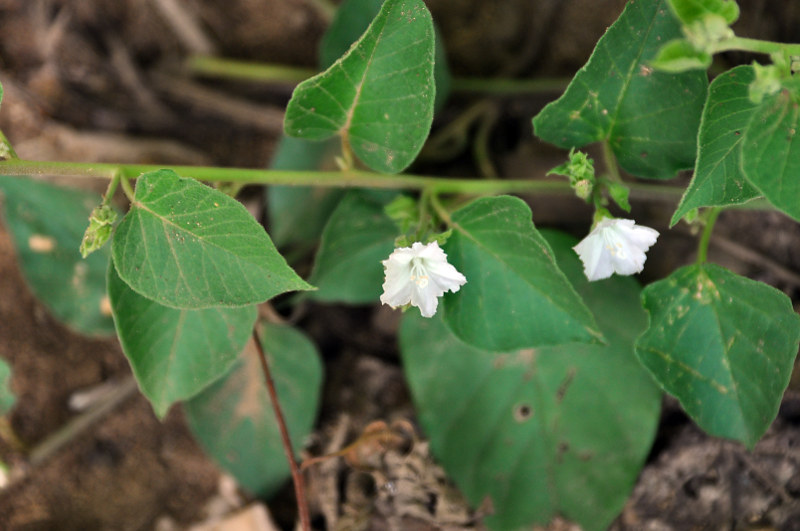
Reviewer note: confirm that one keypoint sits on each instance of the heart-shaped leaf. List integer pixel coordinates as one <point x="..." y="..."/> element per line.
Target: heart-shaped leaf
<point x="718" y="179"/>
<point x="185" y="245"/>
<point x="352" y="18"/>
<point x="649" y="118"/>
<point x="234" y="421"/>
<point x="724" y="345"/>
<point x="379" y="96"/>
<point x="540" y="432"/>
<point x="175" y="353"/>
<point x="47" y="223"/>
<point x="515" y="295"/>
<point x="771" y="151"/>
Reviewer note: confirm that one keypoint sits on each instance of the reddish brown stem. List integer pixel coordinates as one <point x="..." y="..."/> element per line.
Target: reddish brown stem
<point x="297" y="476"/>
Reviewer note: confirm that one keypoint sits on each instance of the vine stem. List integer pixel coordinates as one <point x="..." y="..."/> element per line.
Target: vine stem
<point x="297" y="475"/>
<point x="610" y="161"/>
<point x="744" y="44"/>
<point x="221" y="67"/>
<point x="702" y="247"/>
<point x="329" y="179"/>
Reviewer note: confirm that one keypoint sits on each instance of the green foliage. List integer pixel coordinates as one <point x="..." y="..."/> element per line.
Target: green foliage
<point x="185" y="245"/>
<point x="515" y="295"/>
<point x="722" y="344"/>
<point x="352" y="19"/>
<point x="297" y="214"/>
<point x="234" y="421"/>
<point x="679" y="55"/>
<point x="555" y="430"/>
<point x="357" y="237"/>
<point x="718" y="179"/>
<point x="771" y="151"/>
<point x="649" y="118"/>
<point x="7" y="397"/>
<point x="379" y="96"/>
<point x="175" y="353"/>
<point x="47" y="224"/>
<point x="689" y="11"/>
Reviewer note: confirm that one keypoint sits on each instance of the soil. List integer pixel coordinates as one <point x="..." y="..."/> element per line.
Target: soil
<point x="101" y="80"/>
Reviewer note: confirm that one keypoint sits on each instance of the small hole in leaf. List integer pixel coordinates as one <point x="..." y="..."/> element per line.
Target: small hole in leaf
<point x="522" y="412"/>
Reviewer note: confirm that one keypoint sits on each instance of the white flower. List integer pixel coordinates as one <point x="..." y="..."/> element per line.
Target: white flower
<point x="419" y="275"/>
<point x="615" y="246"/>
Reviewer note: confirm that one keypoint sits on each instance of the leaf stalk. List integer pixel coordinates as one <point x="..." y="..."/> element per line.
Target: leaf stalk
<point x="705" y="238"/>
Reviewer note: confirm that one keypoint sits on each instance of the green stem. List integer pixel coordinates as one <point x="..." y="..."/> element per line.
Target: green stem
<point x="702" y="247"/>
<point x="424" y="213"/>
<point x="112" y="187"/>
<point x="441" y="211"/>
<point x="329" y="179"/>
<point x="220" y="67"/>
<point x="755" y="45"/>
<point x="208" y="65"/>
<point x="126" y="187"/>
<point x="610" y="161"/>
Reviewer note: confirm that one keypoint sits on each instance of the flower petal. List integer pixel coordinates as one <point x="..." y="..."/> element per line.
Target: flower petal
<point x="615" y="246"/>
<point x="419" y="275"/>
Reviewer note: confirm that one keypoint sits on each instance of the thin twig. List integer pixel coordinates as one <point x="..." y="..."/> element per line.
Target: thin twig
<point x="297" y="476"/>
<point x="79" y="424"/>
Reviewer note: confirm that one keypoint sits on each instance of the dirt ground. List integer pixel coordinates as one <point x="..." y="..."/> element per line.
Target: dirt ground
<point x="101" y="80"/>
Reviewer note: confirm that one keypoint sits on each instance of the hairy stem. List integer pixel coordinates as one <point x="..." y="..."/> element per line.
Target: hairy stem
<point x="610" y="161"/>
<point x="112" y="187"/>
<point x="330" y="179"/>
<point x="297" y="475"/>
<point x="208" y="65"/>
<point x="126" y="187"/>
<point x="755" y="45"/>
<point x="702" y="247"/>
<point x="220" y="67"/>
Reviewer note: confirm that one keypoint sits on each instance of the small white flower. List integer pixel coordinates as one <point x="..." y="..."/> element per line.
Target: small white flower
<point x="419" y="275"/>
<point x="615" y="246"/>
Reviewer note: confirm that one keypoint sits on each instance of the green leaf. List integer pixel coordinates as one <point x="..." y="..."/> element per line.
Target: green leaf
<point x="722" y="344"/>
<point x="679" y="55"/>
<point x="357" y="237"/>
<point x="234" y="421"/>
<point x="718" y="179"/>
<point x="174" y="353"/>
<point x="380" y="95"/>
<point x="515" y="295"/>
<point x="7" y="397"/>
<point x="649" y="118"/>
<point x="689" y="11"/>
<point x="47" y="224"/>
<point x="557" y="430"/>
<point x="352" y="19"/>
<point x="185" y="245"/>
<point x="297" y="214"/>
<point x="771" y="152"/>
